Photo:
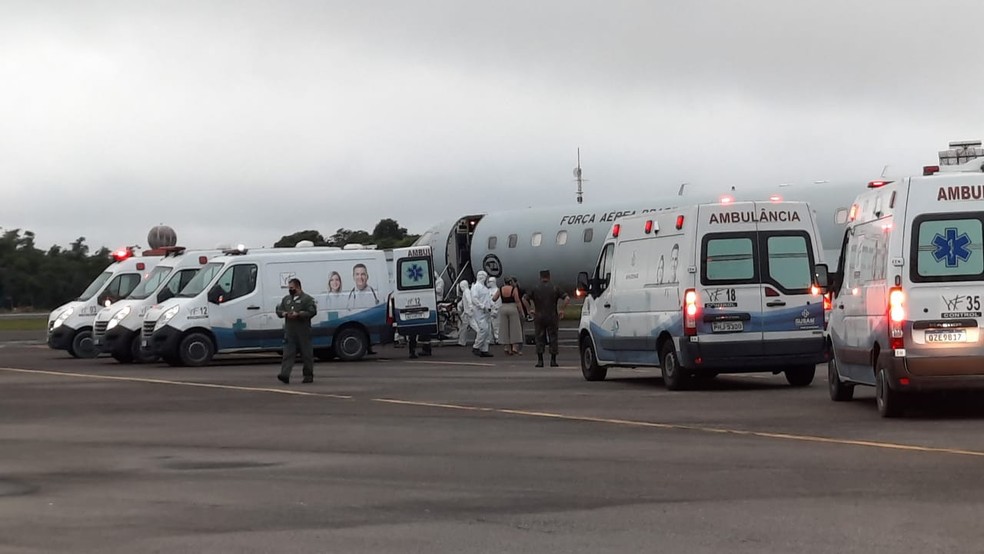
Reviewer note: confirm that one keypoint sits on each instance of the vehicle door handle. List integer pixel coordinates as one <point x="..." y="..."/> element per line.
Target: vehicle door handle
<point x="775" y="303"/>
<point x="252" y="307"/>
<point x="608" y="305"/>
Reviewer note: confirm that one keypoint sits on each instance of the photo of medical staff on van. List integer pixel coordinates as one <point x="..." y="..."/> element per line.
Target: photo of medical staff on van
<point x="362" y="295"/>
<point x="336" y="299"/>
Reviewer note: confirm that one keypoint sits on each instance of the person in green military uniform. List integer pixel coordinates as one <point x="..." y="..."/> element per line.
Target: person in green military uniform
<point x="297" y="309"/>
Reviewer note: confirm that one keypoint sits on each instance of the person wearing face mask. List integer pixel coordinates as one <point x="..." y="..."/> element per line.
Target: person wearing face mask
<point x="481" y="310"/>
<point x="297" y="309"/>
<point x="465" y="311"/>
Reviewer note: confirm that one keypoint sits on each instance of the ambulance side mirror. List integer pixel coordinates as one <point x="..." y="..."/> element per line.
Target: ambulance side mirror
<point x="583" y="284"/>
<point x="821" y="277"/>
<point x="165" y="295"/>
<point x="215" y="295"/>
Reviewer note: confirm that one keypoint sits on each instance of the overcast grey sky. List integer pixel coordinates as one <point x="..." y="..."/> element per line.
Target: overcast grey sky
<point x="244" y="121"/>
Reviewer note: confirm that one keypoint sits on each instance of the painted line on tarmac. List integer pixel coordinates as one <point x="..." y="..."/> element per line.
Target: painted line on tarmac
<point x="434" y="362"/>
<point x="685" y="427"/>
<point x="178" y="383"/>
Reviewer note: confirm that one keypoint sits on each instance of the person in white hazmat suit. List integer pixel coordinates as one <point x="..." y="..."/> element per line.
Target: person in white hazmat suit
<point x="496" y="306"/>
<point x="465" y="311"/>
<point x="481" y="312"/>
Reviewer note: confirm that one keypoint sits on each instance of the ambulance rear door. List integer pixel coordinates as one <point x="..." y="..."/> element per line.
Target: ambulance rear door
<point x="730" y="292"/>
<point x="413" y="305"/>
<point x="793" y="316"/>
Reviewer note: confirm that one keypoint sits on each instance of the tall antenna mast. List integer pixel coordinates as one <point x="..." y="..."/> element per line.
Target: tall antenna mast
<point x="577" y="177"/>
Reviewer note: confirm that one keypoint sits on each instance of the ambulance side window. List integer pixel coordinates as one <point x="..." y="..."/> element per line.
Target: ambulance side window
<point x="237" y="281"/>
<point x="947" y="247"/>
<point x="604" y="269"/>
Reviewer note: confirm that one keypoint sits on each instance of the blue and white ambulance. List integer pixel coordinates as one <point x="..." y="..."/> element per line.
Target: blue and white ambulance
<point x="70" y="325"/>
<point x="907" y="314"/>
<point x="118" y="327"/>
<point x="230" y="305"/>
<point x="712" y="288"/>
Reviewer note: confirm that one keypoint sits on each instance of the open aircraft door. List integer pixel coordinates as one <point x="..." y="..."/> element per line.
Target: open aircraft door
<point x="413" y="305"/>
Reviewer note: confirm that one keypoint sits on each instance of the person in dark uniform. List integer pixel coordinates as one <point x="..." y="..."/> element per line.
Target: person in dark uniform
<point x="297" y="309"/>
<point x="546" y="315"/>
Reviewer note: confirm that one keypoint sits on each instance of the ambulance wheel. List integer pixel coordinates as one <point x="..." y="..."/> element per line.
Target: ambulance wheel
<point x="82" y="345"/>
<point x="839" y="390"/>
<point x="196" y="350"/>
<point x="351" y="344"/>
<point x="172" y="360"/>
<point x="325" y="354"/>
<point x="125" y="357"/>
<point x="140" y="355"/>
<point x="890" y="403"/>
<point x="674" y="376"/>
<point x="589" y="362"/>
<point x="801" y="376"/>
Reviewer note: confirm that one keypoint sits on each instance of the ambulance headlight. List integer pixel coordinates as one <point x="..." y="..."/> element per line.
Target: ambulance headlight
<point x="62" y="318"/>
<point x="118" y="317"/>
<point x="167" y="316"/>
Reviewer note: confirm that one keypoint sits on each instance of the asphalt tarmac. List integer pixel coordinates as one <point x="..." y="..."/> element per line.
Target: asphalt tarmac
<point x="460" y="454"/>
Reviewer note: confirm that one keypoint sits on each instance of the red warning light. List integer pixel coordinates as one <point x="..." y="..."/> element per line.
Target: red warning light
<point x="616" y="229"/>
<point x="679" y="222"/>
<point x="122" y="254"/>
<point x="649" y="226"/>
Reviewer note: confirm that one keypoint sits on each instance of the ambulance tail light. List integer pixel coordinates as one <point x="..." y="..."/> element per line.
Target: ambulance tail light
<point x="896" y="317"/>
<point x="690" y="310"/>
<point x="390" y="311"/>
<point x="828" y="306"/>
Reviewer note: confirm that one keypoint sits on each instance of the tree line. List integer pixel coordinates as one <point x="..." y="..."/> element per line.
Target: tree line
<point x="32" y="278"/>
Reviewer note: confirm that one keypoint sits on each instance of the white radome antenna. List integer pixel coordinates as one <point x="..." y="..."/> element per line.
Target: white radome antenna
<point x="578" y="179"/>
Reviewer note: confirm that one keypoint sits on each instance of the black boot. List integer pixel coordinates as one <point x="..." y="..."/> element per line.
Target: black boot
<point x="539" y="360"/>
<point x="413" y="354"/>
<point x="553" y="361"/>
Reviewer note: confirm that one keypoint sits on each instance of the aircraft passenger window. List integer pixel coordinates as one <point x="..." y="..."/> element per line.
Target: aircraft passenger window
<point x="513" y="239"/>
<point x="492" y="242"/>
<point x="588" y="234"/>
<point x="561" y="237"/>
<point x="537" y="239"/>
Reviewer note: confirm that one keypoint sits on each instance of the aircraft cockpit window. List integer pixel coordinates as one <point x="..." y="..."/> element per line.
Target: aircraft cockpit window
<point x="588" y="234"/>
<point x="513" y="240"/>
<point x="561" y="238"/>
<point x="492" y="242"/>
<point x="537" y="239"/>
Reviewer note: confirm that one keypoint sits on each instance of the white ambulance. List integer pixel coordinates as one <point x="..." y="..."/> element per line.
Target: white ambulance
<point x="230" y="305"/>
<point x="118" y="327"/>
<point x="730" y="287"/>
<point x="907" y="305"/>
<point x="70" y="325"/>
